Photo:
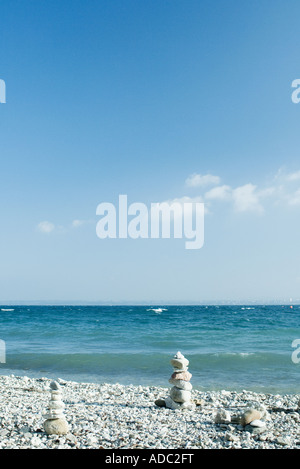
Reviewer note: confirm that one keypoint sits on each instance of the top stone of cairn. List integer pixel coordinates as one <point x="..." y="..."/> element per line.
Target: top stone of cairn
<point x="179" y="362"/>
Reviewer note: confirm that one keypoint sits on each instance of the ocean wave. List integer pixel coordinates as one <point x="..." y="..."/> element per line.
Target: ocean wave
<point x="223" y="370"/>
<point x="144" y="362"/>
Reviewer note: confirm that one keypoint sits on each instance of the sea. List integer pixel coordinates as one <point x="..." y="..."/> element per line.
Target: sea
<point x="231" y="347"/>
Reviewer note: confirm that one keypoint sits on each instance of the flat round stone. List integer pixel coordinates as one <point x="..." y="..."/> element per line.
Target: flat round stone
<point x="179" y="383"/>
<point x="56" y="427"/>
<point x="179" y="395"/>
<point x="183" y="375"/>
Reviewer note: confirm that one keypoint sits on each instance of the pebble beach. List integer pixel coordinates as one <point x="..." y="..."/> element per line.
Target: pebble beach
<point x="115" y="416"/>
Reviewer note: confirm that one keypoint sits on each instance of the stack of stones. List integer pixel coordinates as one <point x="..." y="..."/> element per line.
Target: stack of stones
<point x="55" y="422"/>
<point x="180" y="393"/>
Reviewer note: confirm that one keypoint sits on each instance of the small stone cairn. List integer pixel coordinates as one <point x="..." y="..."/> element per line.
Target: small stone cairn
<point x="180" y="393"/>
<point x="55" y="423"/>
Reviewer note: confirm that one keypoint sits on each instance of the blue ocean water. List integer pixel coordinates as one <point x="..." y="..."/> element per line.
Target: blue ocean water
<point x="229" y="347"/>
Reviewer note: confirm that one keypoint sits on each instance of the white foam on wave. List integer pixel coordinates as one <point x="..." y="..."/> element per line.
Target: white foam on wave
<point x="157" y="310"/>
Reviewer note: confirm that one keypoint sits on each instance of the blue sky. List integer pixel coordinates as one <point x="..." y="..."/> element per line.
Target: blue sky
<point x="159" y="100"/>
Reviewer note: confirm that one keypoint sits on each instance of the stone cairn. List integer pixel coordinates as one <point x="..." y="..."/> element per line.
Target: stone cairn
<point x="55" y="423"/>
<point x="180" y="393"/>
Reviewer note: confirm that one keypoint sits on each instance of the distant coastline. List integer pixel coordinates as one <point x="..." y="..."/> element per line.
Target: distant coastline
<point x="149" y="302"/>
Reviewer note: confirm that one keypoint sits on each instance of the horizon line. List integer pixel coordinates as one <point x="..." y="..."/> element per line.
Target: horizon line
<point x="147" y="303"/>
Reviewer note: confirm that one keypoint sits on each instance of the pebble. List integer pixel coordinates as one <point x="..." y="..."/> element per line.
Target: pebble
<point x="115" y="416"/>
<point x="223" y="416"/>
<point x="255" y="430"/>
<point x="257" y="423"/>
<point x="231" y="437"/>
<point x="283" y="441"/>
<point x="249" y="415"/>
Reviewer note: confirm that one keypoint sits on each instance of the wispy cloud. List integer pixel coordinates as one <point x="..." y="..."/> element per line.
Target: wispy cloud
<point x="294" y="198"/>
<point x="46" y="227"/>
<point x="293" y="176"/>
<point x="186" y="199"/>
<point x="199" y="180"/>
<point x="78" y="223"/>
<point x="219" y="193"/>
<point x="246" y="198"/>
<point x="283" y="176"/>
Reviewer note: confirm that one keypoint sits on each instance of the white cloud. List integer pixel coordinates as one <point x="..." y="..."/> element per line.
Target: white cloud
<point x="283" y="176"/>
<point x="77" y="223"/>
<point x="246" y="199"/>
<point x="294" y="199"/>
<point x="267" y="192"/>
<point x="219" y="193"/>
<point x="184" y="199"/>
<point x="293" y="176"/>
<point x="199" y="180"/>
<point x="287" y="189"/>
<point x="280" y="190"/>
<point x="46" y="227"/>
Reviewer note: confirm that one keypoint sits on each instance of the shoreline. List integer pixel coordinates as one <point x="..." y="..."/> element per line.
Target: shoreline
<point x="115" y="416"/>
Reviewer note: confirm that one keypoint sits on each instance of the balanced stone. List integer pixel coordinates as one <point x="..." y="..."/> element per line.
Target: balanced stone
<point x="181" y="384"/>
<point x="54" y="385"/>
<point x="160" y="402"/>
<point x="179" y="362"/>
<point x="179" y="395"/>
<point x="182" y="375"/>
<point x="170" y="404"/>
<point x="56" y="427"/>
